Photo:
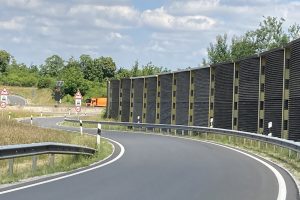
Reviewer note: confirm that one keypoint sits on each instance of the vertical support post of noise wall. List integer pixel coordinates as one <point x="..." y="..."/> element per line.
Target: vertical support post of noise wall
<point x="173" y="102"/>
<point x="211" y="97"/>
<point x="157" y="117"/>
<point x="145" y="96"/>
<point x="235" y="99"/>
<point x="120" y="99"/>
<point x="191" y="99"/>
<point x="261" y="111"/>
<point x="108" y="101"/>
<point x="285" y="93"/>
<point x="131" y="101"/>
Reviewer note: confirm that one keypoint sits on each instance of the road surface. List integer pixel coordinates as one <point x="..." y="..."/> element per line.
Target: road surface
<point x="16" y="100"/>
<point x="164" y="168"/>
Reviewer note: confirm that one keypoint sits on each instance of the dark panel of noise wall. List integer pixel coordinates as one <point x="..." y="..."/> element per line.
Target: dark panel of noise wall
<point x="201" y="96"/>
<point x="126" y="83"/>
<point x="223" y="96"/>
<point x="248" y="95"/>
<point x="138" y="85"/>
<point x="114" y="108"/>
<point x="151" y="99"/>
<point x="294" y="102"/>
<point x="273" y="91"/>
<point x="182" y="97"/>
<point x="165" y="98"/>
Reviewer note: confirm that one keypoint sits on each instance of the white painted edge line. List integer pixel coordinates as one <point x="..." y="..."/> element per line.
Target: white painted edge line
<point x="281" y="182"/>
<point x="282" y="192"/>
<point x="73" y="174"/>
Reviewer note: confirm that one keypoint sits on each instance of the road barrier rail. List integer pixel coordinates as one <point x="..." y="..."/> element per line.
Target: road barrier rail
<point x="24" y="150"/>
<point x="11" y="152"/>
<point x="166" y="128"/>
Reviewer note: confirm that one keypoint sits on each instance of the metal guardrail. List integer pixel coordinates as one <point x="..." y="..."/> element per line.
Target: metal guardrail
<point x="24" y="150"/>
<point x="291" y="145"/>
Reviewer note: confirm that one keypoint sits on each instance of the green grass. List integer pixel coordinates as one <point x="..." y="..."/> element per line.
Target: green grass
<point x="13" y="132"/>
<point x="33" y="95"/>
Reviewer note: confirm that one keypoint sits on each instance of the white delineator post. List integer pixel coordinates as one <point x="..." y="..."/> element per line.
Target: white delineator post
<point x="80" y="123"/>
<point x="98" y="135"/>
<point x="31" y="120"/>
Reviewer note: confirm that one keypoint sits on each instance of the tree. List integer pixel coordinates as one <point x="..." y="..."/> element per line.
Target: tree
<point x="87" y="67"/>
<point x="4" y="60"/>
<point x="219" y="52"/>
<point x="269" y="35"/>
<point x="73" y="80"/>
<point x="53" y="66"/>
<point x="108" y="67"/>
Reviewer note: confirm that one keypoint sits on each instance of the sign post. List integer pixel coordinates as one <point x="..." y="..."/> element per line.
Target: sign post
<point x="78" y="98"/>
<point x="3" y="98"/>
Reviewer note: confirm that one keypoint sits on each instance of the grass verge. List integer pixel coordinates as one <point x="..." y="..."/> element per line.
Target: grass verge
<point x="13" y="132"/>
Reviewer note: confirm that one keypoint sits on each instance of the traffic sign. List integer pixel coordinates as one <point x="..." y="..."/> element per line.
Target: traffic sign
<point x="78" y="98"/>
<point x="3" y="104"/>
<point x="3" y="96"/>
<point x="4" y="92"/>
<point x="78" y="95"/>
<point x="78" y="108"/>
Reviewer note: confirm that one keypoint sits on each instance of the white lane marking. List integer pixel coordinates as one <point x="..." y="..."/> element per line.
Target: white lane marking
<point x="282" y="192"/>
<point x="281" y="182"/>
<point x="70" y="175"/>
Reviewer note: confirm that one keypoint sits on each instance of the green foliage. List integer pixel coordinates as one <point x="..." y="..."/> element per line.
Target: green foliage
<point x="73" y="79"/>
<point x="4" y="60"/>
<point x="19" y="75"/>
<point x="219" y="52"/>
<point x="53" y="66"/>
<point x="46" y="82"/>
<point x="136" y="70"/>
<point x="269" y="35"/>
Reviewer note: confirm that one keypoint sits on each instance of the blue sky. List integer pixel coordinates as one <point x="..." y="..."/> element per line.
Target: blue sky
<point x="170" y="33"/>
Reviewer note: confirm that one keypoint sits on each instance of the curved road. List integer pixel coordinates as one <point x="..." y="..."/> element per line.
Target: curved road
<point x="16" y="100"/>
<point x="155" y="167"/>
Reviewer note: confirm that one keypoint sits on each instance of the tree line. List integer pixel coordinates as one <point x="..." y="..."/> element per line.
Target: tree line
<point x="87" y="74"/>
<point x="270" y="34"/>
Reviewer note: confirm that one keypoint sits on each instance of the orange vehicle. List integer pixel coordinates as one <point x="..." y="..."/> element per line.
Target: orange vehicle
<point x="96" y="102"/>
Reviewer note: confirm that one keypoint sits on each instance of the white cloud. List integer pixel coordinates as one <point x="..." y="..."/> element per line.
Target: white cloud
<point x="159" y="18"/>
<point x="192" y="6"/>
<point x="22" y="3"/>
<point x="16" y="23"/>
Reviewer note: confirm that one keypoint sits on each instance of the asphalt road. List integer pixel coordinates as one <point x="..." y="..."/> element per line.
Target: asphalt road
<point x="16" y="100"/>
<point x="155" y="167"/>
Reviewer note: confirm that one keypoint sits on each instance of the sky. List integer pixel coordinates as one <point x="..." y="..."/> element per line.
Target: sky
<point x="169" y="33"/>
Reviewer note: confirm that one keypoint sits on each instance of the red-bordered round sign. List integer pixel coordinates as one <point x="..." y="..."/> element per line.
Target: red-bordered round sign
<point x="78" y="109"/>
<point x="3" y="104"/>
<point x="4" y="92"/>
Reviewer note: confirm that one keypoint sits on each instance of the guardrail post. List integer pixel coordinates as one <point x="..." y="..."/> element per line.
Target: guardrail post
<point x="244" y="141"/>
<point x="80" y="124"/>
<point x="290" y="153"/>
<point x="182" y="132"/>
<point x="98" y="134"/>
<point x="51" y="160"/>
<point x="298" y="156"/>
<point x="31" y="120"/>
<point x="34" y="162"/>
<point x="229" y="139"/>
<point x="168" y="131"/>
<point x="10" y="167"/>
<point x="258" y="144"/>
